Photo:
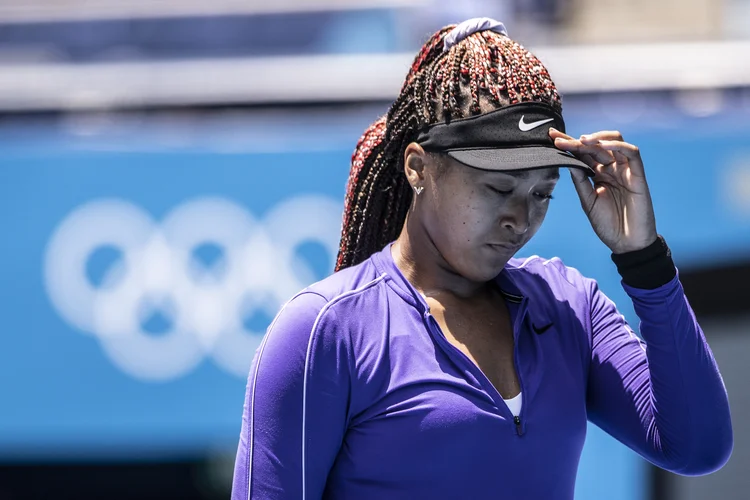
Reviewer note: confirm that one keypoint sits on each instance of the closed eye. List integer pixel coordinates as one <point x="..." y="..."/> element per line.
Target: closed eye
<point x="499" y="191"/>
<point x="538" y="195"/>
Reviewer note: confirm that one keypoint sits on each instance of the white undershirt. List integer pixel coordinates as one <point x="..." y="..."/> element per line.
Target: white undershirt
<point x="515" y="404"/>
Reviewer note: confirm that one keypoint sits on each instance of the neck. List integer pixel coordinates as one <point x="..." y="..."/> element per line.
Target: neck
<point x="419" y="260"/>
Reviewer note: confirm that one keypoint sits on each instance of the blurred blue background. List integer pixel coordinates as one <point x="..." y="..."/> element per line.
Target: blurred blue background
<point x="85" y="183"/>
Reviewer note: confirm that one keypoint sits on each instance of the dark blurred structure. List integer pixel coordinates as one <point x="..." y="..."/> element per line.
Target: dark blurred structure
<point x="116" y="481"/>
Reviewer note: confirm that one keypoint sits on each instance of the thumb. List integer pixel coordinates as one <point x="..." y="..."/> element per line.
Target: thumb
<point x="584" y="187"/>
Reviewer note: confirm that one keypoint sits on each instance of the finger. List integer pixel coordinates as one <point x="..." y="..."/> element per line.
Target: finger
<point x="554" y="134"/>
<point x="627" y="150"/>
<point x="612" y="135"/>
<point x="592" y="144"/>
<point x="595" y="139"/>
<point x="620" y="158"/>
<point x="600" y="155"/>
<point x="588" y="160"/>
<point x="579" y="176"/>
<point x="584" y="157"/>
<point x="583" y="187"/>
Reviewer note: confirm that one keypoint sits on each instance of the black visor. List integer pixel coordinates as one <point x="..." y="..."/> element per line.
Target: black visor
<point x="515" y="137"/>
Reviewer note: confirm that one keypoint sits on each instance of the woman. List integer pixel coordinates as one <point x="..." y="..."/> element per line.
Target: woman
<point x="433" y="364"/>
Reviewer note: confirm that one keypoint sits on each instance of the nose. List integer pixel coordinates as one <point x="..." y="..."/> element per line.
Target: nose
<point x="516" y="216"/>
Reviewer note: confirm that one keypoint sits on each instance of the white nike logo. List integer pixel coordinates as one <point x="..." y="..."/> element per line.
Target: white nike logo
<point x="525" y="127"/>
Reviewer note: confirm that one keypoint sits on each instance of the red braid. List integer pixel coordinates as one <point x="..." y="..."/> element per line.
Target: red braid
<point x="370" y="140"/>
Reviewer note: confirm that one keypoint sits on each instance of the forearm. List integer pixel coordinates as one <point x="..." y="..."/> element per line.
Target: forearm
<point x="688" y="401"/>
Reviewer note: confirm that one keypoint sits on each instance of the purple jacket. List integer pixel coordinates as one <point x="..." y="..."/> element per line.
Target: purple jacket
<point x="356" y="394"/>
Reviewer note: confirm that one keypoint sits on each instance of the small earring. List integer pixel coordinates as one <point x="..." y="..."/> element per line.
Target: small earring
<point x="418" y="190"/>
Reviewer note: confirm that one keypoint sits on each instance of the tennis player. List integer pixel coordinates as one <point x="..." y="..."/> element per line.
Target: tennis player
<point x="435" y="365"/>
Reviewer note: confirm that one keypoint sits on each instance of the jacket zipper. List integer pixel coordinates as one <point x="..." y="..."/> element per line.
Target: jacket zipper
<point x="522" y="308"/>
<point x="516" y="418"/>
<point x="517" y="421"/>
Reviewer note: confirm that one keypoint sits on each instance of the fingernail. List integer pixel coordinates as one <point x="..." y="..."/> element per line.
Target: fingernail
<point x="553" y="129"/>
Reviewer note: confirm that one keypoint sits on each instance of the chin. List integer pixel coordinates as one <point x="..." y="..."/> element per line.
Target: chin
<point x="483" y="275"/>
<point x="486" y="265"/>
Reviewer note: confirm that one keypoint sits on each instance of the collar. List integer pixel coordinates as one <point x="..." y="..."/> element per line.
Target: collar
<point x="508" y="282"/>
<point x="385" y="264"/>
<point x="519" y="286"/>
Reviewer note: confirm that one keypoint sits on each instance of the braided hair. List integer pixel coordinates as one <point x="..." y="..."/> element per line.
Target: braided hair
<point x="484" y="68"/>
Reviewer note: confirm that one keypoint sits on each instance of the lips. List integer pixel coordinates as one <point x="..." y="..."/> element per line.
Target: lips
<point x="506" y="246"/>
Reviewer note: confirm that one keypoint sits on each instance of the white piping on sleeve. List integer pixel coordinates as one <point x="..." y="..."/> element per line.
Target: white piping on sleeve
<point x="251" y="432"/>
<point x="307" y="364"/>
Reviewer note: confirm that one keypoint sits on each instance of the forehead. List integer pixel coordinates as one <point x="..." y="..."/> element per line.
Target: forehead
<point x="534" y="174"/>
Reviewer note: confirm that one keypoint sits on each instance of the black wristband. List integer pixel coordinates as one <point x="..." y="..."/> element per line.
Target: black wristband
<point x="648" y="268"/>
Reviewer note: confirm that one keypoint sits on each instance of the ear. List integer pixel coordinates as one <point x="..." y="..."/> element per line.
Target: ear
<point x="415" y="159"/>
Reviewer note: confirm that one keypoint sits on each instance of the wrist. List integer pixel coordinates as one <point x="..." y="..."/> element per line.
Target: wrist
<point x="647" y="268"/>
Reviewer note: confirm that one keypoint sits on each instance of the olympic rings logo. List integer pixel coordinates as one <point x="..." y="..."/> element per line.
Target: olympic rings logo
<point x="158" y="272"/>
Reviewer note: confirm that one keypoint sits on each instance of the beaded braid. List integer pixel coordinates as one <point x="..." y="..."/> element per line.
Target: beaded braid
<point x="484" y="68"/>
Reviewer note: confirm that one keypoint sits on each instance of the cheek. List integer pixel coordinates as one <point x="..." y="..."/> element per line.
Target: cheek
<point x="472" y="220"/>
<point x="461" y="216"/>
<point x="537" y="214"/>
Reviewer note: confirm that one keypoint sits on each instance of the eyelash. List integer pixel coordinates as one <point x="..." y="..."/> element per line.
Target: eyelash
<point x="541" y="196"/>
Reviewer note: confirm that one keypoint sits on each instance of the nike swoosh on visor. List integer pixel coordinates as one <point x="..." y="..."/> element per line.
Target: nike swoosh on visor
<point x="525" y="127"/>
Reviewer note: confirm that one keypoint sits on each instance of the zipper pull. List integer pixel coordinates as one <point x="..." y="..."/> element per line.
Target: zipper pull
<point x="517" y="421"/>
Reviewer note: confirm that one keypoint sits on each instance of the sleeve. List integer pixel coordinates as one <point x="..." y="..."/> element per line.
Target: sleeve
<point x="295" y="409"/>
<point x="663" y="397"/>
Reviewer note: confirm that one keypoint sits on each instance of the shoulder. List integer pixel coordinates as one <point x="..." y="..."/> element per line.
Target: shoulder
<point x="326" y="304"/>
<point x="557" y="292"/>
<point x="534" y="274"/>
<point x="353" y="280"/>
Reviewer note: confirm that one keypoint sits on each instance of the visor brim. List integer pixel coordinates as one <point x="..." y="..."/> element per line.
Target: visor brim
<point x="525" y="158"/>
